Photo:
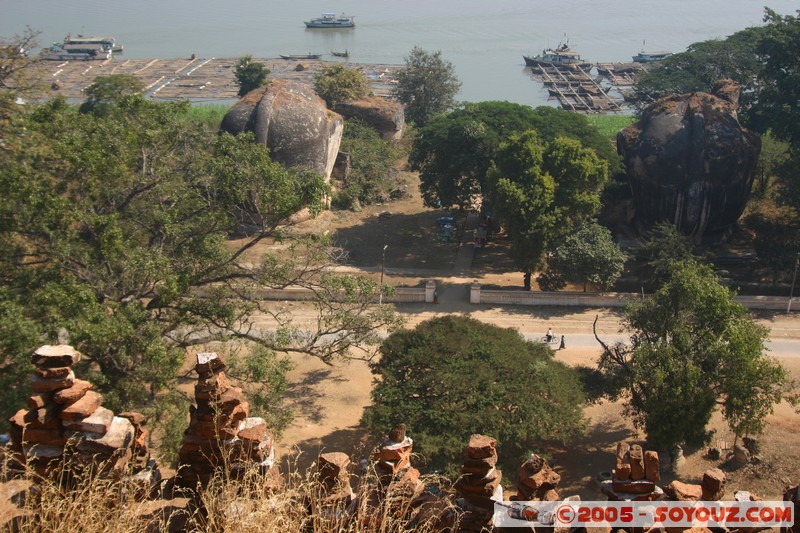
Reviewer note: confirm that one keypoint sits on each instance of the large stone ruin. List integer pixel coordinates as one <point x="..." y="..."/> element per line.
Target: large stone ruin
<point x="221" y="433"/>
<point x="292" y="121"/>
<point x="690" y="162"/>
<point x="635" y="475"/>
<point x="65" y="430"/>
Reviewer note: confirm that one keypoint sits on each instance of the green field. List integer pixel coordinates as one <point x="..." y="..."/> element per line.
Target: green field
<point x="609" y="125"/>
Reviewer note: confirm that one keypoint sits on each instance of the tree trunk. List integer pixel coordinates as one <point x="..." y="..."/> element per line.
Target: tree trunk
<point x="527" y="281"/>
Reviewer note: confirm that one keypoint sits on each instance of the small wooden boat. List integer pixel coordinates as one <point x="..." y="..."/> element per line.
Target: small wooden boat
<point x="300" y="56"/>
<point x="341" y="54"/>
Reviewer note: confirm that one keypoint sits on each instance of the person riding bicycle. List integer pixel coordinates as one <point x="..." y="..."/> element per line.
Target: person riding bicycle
<point x="549" y="335"/>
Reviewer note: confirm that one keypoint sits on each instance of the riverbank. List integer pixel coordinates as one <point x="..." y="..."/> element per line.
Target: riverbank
<point x="194" y="79"/>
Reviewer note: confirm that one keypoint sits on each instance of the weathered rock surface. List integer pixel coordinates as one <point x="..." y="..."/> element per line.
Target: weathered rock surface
<point x="691" y="163"/>
<point x="293" y="122"/>
<point x="385" y="116"/>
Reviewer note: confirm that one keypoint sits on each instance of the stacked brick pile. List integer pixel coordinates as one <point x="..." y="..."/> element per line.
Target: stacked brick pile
<point x="479" y="486"/>
<point x="712" y="488"/>
<point x="635" y="475"/>
<point x="221" y="434"/>
<point x="536" y="481"/>
<point x="63" y="412"/>
<point x="398" y="481"/>
<point x="334" y="480"/>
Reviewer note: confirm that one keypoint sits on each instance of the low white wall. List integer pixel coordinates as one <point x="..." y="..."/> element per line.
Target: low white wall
<point x="401" y="295"/>
<point x="597" y="299"/>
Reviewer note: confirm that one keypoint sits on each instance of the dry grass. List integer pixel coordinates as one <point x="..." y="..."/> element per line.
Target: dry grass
<point x="254" y="501"/>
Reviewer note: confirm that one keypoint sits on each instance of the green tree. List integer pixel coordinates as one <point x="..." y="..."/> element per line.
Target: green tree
<point x="105" y="91"/>
<point x="776" y="240"/>
<point x="779" y="94"/>
<point x="661" y="249"/>
<point x="427" y="86"/>
<point x="338" y="83"/>
<point x="701" y="66"/>
<point x="453" y="376"/>
<point x="693" y="349"/>
<point x="371" y="176"/>
<point x="542" y="192"/>
<point x="115" y="229"/>
<point x="589" y="255"/>
<point x="249" y="74"/>
<point x="454" y="152"/>
<point x="17" y="68"/>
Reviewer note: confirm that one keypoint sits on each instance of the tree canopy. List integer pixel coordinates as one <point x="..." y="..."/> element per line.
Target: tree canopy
<point x="693" y="350"/>
<point x="372" y="174"/>
<point x="249" y="74"/>
<point x="702" y="65"/>
<point x="338" y="83"/>
<point x="454" y="152"/>
<point x="115" y="231"/>
<point x="589" y="255"/>
<point x="453" y="376"/>
<point x="427" y="86"/>
<point x="542" y="191"/>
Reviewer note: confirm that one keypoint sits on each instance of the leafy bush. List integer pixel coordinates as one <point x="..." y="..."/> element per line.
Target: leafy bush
<point x="371" y="176"/>
<point x="338" y="84"/>
<point x="453" y="376"/>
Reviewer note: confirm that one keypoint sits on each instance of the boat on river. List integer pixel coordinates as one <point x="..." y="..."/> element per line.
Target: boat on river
<point x="560" y="57"/>
<point x="341" y="54"/>
<point x="300" y="56"/>
<point x="650" y="57"/>
<point x="76" y="52"/>
<point x="102" y="40"/>
<point x="331" y="20"/>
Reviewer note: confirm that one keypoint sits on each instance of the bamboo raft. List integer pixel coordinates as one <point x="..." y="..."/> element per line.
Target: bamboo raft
<point x="576" y="90"/>
<point x="194" y="79"/>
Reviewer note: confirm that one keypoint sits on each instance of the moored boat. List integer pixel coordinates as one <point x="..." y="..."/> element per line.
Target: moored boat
<point x="76" y="52"/>
<point x="341" y="54"/>
<point x="561" y="57"/>
<point x="331" y="20"/>
<point x="101" y="40"/>
<point x="650" y="57"/>
<point x="301" y="56"/>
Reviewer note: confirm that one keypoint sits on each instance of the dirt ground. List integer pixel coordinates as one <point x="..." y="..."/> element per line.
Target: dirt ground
<point x="330" y="400"/>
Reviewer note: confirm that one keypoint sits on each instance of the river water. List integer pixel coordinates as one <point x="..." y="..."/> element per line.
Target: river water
<point x="485" y="40"/>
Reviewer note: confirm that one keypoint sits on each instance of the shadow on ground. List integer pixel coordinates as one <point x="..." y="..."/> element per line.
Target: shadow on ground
<point x="412" y="239"/>
<point x="355" y="441"/>
<point x="302" y="397"/>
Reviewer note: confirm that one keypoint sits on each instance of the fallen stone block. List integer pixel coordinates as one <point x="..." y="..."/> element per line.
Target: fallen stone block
<point x="72" y="394"/>
<point x="637" y="462"/>
<point x="481" y="446"/>
<point x="98" y="422"/>
<point x="52" y="373"/>
<point x="119" y="435"/>
<point x="39" y="400"/>
<point x="633" y="487"/>
<point x="40" y="384"/>
<point x="713" y="484"/>
<point x="652" y="466"/>
<point x="48" y="356"/>
<point x="622" y="466"/>
<point x="683" y="492"/>
<point x="83" y="408"/>
<point x="208" y="364"/>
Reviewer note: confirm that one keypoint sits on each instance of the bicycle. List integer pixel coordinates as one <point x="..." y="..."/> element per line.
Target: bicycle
<point x="555" y="339"/>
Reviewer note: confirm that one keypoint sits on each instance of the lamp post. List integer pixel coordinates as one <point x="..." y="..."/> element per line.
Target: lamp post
<point x="383" y="265"/>
<point x="794" y="278"/>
